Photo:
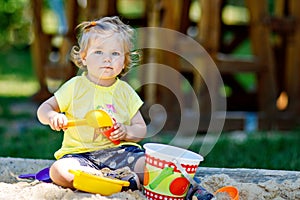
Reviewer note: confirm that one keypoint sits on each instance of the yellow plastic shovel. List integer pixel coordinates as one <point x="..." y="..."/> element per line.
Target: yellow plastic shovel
<point x="93" y="118"/>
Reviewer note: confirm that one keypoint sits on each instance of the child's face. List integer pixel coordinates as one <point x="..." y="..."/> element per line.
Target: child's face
<point x="105" y="58"/>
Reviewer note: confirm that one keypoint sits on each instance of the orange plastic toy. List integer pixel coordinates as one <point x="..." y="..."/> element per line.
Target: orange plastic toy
<point x="232" y="191"/>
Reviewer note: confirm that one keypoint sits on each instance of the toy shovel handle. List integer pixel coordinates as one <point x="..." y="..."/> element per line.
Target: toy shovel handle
<point x="76" y="122"/>
<point x="184" y="173"/>
<point x="167" y="171"/>
<point x="27" y="176"/>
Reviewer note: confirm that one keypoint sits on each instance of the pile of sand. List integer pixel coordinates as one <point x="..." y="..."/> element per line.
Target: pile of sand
<point x="247" y="191"/>
<point x="11" y="187"/>
<point x="39" y="190"/>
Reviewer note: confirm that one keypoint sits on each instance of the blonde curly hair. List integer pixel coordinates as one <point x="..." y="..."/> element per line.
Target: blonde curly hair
<point x="89" y="30"/>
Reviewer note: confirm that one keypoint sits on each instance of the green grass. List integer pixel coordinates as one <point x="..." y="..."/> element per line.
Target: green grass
<point x="276" y="152"/>
<point x="17" y="76"/>
<point x="17" y="63"/>
<point x="259" y="150"/>
<point x="21" y="135"/>
<point x="30" y="143"/>
<point x="5" y="108"/>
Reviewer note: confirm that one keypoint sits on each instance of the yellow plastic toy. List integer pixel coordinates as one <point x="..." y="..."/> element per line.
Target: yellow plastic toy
<point x="94" y="118"/>
<point x="96" y="184"/>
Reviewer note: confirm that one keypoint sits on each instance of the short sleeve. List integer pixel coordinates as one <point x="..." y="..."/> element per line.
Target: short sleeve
<point x="136" y="103"/>
<point x="133" y="100"/>
<point x="64" y="94"/>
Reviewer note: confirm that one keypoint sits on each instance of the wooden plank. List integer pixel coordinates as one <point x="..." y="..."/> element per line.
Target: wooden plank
<point x="225" y="62"/>
<point x="233" y="64"/>
<point x="245" y="175"/>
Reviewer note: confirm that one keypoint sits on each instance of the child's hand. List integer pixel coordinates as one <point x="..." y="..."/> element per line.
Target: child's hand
<point x="58" y="122"/>
<point x="119" y="133"/>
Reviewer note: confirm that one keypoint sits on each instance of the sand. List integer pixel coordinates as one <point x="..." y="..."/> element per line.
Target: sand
<point x="39" y="190"/>
<point x="247" y="191"/>
<point x="11" y="187"/>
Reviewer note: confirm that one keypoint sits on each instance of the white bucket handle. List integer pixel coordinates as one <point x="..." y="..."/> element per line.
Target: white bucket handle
<point x="184" y="173"/>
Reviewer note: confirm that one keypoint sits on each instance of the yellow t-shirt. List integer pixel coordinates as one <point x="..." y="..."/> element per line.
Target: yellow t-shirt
<point x="78" y="96"/>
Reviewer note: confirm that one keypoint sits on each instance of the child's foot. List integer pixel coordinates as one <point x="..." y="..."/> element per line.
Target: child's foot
<point x="198" y="193"/>
<point x="124" y="174"/>
<point x="134" y="181"/>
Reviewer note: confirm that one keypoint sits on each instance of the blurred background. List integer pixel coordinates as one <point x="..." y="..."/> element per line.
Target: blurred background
<point x="254" y="43"/>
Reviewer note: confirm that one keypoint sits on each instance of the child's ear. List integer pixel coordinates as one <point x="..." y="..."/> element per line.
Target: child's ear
<point x="83" y="55"/>
<point x="83" y="61"/>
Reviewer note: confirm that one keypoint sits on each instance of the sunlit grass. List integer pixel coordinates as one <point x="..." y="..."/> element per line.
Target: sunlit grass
<point x="17" y="77"/>
<point x="13" y="87"/>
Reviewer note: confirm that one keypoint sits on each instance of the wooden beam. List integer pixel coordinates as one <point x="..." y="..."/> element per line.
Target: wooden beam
<point x="262" y="49"/>
<point x="39" y="50"/>
<point x="210" y="25"/>
<point x="293" y="61"/>
<point x="233" y="64"/>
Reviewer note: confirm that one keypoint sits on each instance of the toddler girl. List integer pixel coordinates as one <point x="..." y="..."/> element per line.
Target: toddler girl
<point x="104" y="55"/>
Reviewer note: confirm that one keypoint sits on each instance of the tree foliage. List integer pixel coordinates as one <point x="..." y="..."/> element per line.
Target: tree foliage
<point x="15" y="23"/>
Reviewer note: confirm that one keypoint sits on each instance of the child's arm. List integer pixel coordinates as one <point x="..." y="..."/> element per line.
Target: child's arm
<point x="48" y="114"/>
<point x="132" y="133"/>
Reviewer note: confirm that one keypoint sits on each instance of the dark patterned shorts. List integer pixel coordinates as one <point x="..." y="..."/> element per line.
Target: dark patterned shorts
<point x="114" y="158"/>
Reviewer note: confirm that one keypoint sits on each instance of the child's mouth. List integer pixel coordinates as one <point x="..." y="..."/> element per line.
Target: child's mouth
<point x="107" y="67"/>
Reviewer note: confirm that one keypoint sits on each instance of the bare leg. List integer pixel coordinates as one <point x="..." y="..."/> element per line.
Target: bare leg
<point x="59" y="171"/>
<point x="139" y="168"/>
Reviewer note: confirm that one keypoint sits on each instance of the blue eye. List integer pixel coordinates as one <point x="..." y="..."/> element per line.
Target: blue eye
<point x="99" y="52"/>
<point x="116" y="53"/>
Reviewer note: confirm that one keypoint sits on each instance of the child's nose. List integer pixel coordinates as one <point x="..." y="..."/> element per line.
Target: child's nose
<point x="107" y="58"/>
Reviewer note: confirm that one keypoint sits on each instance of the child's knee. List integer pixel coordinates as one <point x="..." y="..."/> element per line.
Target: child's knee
<point x="139" y="165"/>
<point x="59" y="172"/>
<point x="139" y="168"/>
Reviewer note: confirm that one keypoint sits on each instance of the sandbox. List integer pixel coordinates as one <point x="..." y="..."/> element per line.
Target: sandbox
<point x="251" y="183"/>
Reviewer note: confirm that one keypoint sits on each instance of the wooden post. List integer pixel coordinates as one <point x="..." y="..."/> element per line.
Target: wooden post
<point x="210" y="25"/>
<point x="72" y="10"/>
<point x="165" y="14"/>
<point x="209" y="37"/>
<point x="261" y="47"/>
<point x="39" y="48"/>
<point x="171" y="19"/>
<point x="98" y="9"/>
<point x="293" y="61"/>
<point x="151" y="73"/>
